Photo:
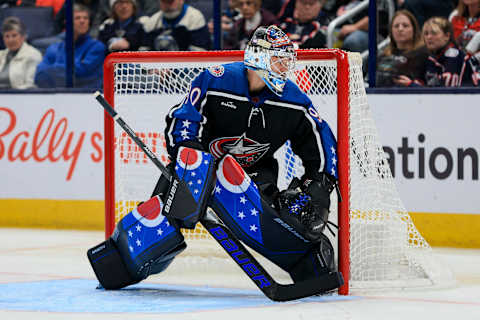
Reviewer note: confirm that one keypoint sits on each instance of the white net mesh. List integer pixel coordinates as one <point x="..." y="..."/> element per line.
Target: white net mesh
<point x="386" y="248"/>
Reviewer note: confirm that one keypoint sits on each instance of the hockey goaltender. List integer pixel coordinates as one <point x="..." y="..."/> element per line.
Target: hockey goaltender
<point x="221" y="140"/>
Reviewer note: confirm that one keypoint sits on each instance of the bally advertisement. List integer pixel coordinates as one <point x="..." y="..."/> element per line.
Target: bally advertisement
<point x="52" y="161"/>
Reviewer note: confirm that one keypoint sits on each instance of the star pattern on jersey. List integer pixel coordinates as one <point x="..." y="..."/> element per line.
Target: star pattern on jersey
<point x="185" y="130"/>
<point x="332" y="158"/>
<point x="184" y="134"/>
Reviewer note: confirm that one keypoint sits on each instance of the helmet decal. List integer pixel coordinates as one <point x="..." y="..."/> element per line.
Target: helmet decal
<point x="271" y="53"/>
<point x="277" y="38"/>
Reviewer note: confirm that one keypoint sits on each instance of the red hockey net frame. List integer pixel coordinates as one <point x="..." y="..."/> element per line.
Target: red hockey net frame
<point x="229" y="56"/>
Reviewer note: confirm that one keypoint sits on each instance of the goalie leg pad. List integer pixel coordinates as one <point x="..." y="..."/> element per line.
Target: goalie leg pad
<point x="190" y="188"/>
<point x="317" y="262"/>
<point x="238" y="203"/>
<point x="108" y="266"/>
<point x="143" y="243"/>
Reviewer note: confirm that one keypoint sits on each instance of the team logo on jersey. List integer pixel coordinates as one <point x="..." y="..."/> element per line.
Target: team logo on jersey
<point x="245" y="150"/>
<point x="216" y="71"/>
<point x="452" y="53"/>
<point x="314" y="113"/>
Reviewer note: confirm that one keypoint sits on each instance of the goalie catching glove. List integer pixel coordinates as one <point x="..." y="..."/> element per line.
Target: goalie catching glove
<point x="306" y="205"/>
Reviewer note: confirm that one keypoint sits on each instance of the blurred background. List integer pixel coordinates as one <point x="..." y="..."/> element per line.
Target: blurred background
<point x="420" y="67"/>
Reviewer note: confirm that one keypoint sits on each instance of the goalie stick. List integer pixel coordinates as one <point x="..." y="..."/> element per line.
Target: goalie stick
<point x="222" y="234"/>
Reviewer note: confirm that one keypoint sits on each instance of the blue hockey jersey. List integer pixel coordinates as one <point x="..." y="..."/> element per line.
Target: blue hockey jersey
<point x="220" y="114"/>
<point x="447" y="68"/>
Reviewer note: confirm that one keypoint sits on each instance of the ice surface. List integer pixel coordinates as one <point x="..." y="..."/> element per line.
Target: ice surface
<point x="45" y="274"/>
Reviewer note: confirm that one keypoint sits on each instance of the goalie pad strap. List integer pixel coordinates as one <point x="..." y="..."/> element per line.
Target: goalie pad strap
<point x="318" y="261"/>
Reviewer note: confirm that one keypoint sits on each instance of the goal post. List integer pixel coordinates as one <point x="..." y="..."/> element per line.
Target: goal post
<point x="378" y="245"/>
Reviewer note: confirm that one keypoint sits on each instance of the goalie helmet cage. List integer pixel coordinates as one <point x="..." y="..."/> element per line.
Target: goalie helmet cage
<point x="378" y="244"/>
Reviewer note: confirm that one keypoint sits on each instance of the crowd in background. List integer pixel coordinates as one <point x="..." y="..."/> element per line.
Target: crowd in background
<point x="433" y="43"/>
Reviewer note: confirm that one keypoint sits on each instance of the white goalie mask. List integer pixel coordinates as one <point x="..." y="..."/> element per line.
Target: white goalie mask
<point x="271" y="53"/>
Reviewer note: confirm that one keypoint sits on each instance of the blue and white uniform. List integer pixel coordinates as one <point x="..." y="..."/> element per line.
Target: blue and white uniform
<point x="221" y="116"/>
<point x="447" y="68"/>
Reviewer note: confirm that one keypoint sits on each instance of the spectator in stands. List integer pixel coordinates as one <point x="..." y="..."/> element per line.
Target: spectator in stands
<point x="88" y="59"/>
<point x="354" y="34"/>
<point x="229" y="16"/>
<point x="466" y="21"/>
<point x="473" y="46"/>
<point x="445" y="65"/>
<point x="122" y="31"/>
<point x="144" y="8"/>
<point x="60" y="24"/>
<point x="425" y="9"/>
<point x="473" y="56"/>
<point x="253" y="16"/>
<point x="177" y="26"/>
<point x="308" y="25"/>
<point x="329" y="8"/>
<point x="19" y="60"/>
<point x="403" y="61"/>
<point x="232" y="10"/>
<point x="466" y="31"/>
<point x="95" y="21"/>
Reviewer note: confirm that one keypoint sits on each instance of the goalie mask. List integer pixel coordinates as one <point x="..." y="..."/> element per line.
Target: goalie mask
<point x="272" y="55"/>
